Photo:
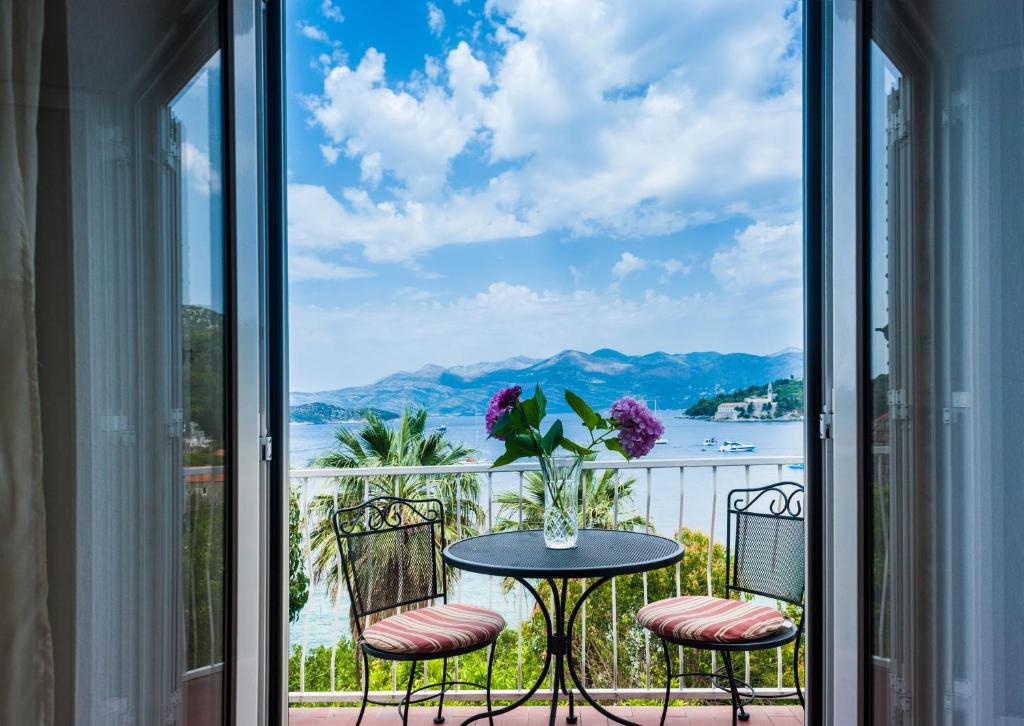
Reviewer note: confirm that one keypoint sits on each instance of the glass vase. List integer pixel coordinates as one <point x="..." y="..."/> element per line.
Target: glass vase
<point x="561" y="496"/>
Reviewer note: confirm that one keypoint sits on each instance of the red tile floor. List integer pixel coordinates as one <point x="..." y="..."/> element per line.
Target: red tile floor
<point x="538" y="716"/>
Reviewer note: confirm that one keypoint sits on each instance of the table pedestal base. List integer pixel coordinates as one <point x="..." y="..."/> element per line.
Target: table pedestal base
<point x="559" y="632"/>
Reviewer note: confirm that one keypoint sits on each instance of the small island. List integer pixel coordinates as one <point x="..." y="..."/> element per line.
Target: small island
<point x="782" y="399"/>
<point x="328" y="413"/>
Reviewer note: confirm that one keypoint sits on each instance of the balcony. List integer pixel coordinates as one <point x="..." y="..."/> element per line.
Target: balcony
<point x="681" y="498"/>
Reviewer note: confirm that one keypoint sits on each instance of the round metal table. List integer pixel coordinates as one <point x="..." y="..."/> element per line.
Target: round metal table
<point x="599" y="554"/>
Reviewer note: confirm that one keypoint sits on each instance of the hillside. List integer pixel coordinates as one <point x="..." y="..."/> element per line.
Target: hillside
<point x="673" y="380"/>
<point x="323" y="413"/>
<point x="789" y="396"/>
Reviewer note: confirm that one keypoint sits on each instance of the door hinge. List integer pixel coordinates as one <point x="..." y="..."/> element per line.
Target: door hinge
<point x="266" y="448"/>
<point x="898" y="406"/>
<point x="825" y="425"/>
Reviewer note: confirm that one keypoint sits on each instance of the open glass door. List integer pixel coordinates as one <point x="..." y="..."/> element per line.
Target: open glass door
<point x="152" y="368"/>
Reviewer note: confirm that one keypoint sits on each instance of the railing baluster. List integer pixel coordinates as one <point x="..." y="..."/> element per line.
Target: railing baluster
<point x="583" y="636"/>
<point x="394" y="664"/>
<point x="519" y="603"/>
<point x="615" y="618"/>
<point x="490" y="526"/>
<point x="209" y="591"/>
<point x="682" y="541"/>
<point x="458" y="536"/>
<point x="711" y="544"/>
<point x="746" y="499"/>
<point x="647" y="633"/>
<point x="337" y="604"/>
<point x="304" y="511"/>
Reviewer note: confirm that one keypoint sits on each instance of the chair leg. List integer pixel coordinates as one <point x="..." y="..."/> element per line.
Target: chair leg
<point x="738" y="712"/>
<point x="490" y="671"/>
<point x="439" y="718"/>
<point x="366" y="686"/>
<point x="796" y="671"/>
<point x="408" y="694"/>
<point x="668" y="681"/>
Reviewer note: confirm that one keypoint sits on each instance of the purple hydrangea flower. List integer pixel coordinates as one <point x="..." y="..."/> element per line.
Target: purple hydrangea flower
<point x="639" y="430"/>
<point x="501" y="402"/>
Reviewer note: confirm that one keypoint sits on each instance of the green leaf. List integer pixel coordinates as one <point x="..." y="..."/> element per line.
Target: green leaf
<point x="553" y="437"/>
<point x="542" y="404"/>
<point x="575" y="448"/>
<point x="503" y="427"/>
<point x="523" y="443"/>
<point x="616" y="446"/>
<point x="532" y="412"/>
<point x="589" y="417"/>
<point x="520" y="417"/>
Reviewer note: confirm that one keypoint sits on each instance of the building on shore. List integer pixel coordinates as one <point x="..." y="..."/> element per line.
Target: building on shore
<point x="751" y="407"/>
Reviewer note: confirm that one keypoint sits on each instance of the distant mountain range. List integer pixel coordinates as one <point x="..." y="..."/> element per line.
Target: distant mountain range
<point x="673" y="380"/>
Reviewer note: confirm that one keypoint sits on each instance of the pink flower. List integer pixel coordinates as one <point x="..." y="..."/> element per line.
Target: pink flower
<point x="502" y="402"/>
<point x="639" y="430"/>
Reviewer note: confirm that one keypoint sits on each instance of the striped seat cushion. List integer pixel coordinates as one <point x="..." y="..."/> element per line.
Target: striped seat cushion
<point x="712" y="619"/>
<point x="435" y="629"/>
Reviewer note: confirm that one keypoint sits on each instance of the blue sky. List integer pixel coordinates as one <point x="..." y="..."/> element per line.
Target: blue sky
<point x="475" y="180"/>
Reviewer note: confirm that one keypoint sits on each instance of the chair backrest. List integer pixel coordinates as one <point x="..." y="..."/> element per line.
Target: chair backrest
<point x="390" y="553"/>
<point x="765" y="542"/>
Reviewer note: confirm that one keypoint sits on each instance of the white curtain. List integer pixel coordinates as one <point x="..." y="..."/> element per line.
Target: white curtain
<point x="26" y="671"/>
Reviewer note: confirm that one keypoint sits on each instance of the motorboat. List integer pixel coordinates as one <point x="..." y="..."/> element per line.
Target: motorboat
<point x="710" y="441"/>
<point x="441" y="429"/>
<point x="732" y="447"/>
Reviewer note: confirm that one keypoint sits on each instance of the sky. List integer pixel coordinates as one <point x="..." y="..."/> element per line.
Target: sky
<point x="471" y="180"/>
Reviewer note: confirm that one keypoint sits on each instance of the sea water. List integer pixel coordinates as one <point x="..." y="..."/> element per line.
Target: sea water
<point x="664" y="502"/>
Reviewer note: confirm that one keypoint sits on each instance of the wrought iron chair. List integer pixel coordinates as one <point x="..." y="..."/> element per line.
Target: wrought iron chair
<point x="764" y="556"/>
<point x="386" y="535"/>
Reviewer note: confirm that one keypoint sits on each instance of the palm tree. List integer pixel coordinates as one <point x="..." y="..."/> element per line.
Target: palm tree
<point x="377" y="444"/>
<point x="597" y="492"/>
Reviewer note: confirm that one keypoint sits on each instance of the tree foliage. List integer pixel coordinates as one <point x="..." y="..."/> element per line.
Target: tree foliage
<point x="298" y="581"/>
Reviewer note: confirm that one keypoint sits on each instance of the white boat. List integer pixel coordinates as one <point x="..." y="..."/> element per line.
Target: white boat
<point x="661" y="440"/>
<point x="730" y="447"/>
<point x="710" y="441"/>
<point x="441" y="429"/>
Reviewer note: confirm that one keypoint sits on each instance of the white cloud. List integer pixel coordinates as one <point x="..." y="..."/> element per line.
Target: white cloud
<point x="628" y="264"/>
<point x="415" y="136"/>
<point x="435" y="19"/>
<point x="396" y="232"/>
<point x="312" y="32"/>
<point x="764" y="255"/>
<point x="612" y="118"/>
<point x="309" y="267"/>
<point x="199" y="172"/>
<point x="415" y="327"/>
<point x="369" y="169"/>
<point x="673" y="267"/>
<point x="330" y="152"/>
<point x="331" y="11"/>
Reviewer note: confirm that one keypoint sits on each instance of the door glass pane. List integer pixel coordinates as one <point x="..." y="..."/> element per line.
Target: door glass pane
<point x="946" y="286"/>
<point x="195" y="135"/>
<point x="886" y="392"/>
<point x="144" y="241"/>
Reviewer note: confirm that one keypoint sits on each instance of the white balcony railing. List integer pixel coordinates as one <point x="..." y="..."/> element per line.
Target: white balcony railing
<point x="693" y="486"/>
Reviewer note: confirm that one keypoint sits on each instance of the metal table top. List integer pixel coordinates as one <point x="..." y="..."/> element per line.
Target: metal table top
<point x="598" y="553"/>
